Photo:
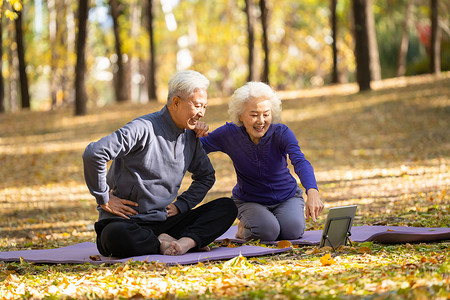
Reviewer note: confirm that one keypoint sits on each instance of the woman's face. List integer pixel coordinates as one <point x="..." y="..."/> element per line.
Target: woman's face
<point x="257" y="117"/>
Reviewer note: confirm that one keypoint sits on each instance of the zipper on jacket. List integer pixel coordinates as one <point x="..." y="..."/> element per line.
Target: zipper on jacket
<point x="175" y="147"/>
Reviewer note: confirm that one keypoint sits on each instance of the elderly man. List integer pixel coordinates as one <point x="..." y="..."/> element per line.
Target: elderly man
<point x="137" y="211"/>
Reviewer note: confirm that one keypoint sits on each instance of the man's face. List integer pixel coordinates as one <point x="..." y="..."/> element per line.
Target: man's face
<point x="188" y="111"/>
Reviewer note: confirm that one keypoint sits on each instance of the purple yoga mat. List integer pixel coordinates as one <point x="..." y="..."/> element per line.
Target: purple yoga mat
<point x="88" y="253"/>
<point x="399" y="234"/>
<point x="381" y="234"/>
<point x="84" y="252"/>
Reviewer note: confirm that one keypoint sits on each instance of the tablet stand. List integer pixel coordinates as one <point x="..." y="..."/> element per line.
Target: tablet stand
<point x="347" y="235"/>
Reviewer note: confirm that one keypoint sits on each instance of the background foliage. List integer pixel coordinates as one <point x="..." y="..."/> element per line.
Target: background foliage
<point x="208" y="36"/>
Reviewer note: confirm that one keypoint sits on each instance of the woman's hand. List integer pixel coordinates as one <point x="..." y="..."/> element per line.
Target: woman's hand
<point x="172" y="210"/>
<point x="201" y="129"/>
<point x="120" y="207"/>
<point x="314" y="205"/>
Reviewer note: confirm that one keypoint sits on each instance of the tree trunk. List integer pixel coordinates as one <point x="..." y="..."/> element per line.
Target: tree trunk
<point x="136" y="23"/>
<point x="25" y="96"/>
<point x="375" y="68"/>
<point x="264" y="23"/>
<point x="70" y="42"/>
<point x="2" y="82"/>
<point x="335" y="75"/>
<point x="80" y="68"/>
<point x="52" y="32"/>
<point x="11" y="56"/>
<point x="152" y="66"/>
<point x="120" y="85"/>
<point x="403" y="51"/>
<point x="361" y="45"/>
<point x="435" y="46"/>
<point x="59" y="59"/>
<point x="251" y="39"/>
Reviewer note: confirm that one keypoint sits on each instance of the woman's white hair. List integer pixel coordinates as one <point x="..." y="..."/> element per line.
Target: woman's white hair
<point x="253" y="90"/>
<point x="184" y="83"/>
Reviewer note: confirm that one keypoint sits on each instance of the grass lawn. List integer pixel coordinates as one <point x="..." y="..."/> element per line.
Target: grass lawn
<point x="387" y="150"/>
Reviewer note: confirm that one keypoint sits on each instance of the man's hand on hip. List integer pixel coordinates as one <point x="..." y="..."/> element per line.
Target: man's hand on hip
<point x="172" y="210"/>
<point x="120" y="207"/>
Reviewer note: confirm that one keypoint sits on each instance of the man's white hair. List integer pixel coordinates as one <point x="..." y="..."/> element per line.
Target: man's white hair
<point x="184" y="83"/>
<point x="253" y="90"/>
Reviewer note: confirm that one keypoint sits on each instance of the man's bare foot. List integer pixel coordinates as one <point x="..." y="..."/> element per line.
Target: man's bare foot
<point x="205" y="249"/>
<point x="165" y="241"/>
<point x="178" y="247"/>
<point x="166" y="238"/>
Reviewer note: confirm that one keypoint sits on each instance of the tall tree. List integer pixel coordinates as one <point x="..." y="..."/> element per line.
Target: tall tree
<point x="67" y="46"/>
<point x="403" y="50"/>
<point x="52" y="31"/>
<point x="2" y="82"/>
<point x="13" y="68"/>
<point x="152" y="66"/>
<point x="25" y="96"/>
<point x="374" y="56"/>
<point x="69" y="41"/>
<point x="335" y="75"/>
<point x="264" y="23"/>
<point x="251" y="39"/>
<point x="435" y="46"/>
<point x="120" y="84"/>
<point x="135" y="19"/>
<point x="80" y="68"/>
<point x="57" y="29"/>
<point x="361" y="44"/>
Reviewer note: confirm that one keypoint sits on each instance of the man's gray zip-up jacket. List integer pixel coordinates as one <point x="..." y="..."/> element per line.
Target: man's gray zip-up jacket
<point x="150" y="157"/>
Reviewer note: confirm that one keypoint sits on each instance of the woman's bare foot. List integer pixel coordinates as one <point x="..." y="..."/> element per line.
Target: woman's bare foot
<point x="240" y="232"/>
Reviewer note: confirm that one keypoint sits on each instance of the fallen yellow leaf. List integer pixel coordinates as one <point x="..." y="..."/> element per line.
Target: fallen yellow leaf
<point x="284" y="244"/>
<point x="364" y="250"/>
<point x="325" y="249"/>
<point x="237" y="262"/>
<point x="95" y="257"/>
<point x="313" y="251"/>
<point x="327" y="260"/>
<point x="11" y="278"/>
<point x="433" y="260"/>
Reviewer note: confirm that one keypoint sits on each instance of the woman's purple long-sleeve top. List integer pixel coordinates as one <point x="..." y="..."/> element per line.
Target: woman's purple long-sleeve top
<point x="262" y="171"/>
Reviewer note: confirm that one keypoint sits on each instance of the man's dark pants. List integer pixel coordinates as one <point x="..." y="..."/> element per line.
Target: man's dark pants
<point x="126" y="238"/>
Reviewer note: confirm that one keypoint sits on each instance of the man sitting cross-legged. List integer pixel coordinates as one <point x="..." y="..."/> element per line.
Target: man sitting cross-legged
<point x="151" y="154"/>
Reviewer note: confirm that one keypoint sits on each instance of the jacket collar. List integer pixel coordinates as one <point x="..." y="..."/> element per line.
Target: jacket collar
<point x="168" y="121"/>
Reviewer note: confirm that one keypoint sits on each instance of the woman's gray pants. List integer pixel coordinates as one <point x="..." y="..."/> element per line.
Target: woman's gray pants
<point x="283" y="221"/>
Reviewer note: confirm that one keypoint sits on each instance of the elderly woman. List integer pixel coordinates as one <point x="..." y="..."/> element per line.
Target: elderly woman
<point x="269" y="200"/>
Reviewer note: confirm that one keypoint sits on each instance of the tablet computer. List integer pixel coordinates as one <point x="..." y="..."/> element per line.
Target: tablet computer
<point x="337" y="227"/>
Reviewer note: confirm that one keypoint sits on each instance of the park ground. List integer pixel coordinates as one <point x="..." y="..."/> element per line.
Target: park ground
<point x="386" y="150"/>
